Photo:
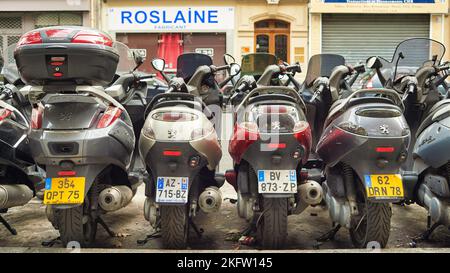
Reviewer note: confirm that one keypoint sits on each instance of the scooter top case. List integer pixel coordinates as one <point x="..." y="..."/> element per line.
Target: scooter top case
<point x="66" y="54"/>
<point x="367" y="132"/>
<point x="271" y="121"/>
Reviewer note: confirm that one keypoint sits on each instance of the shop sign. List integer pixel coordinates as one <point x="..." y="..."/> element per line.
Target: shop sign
<point x="140" y="51"/>
<point x="163" y="19"/>
<point x="206" y="51"/>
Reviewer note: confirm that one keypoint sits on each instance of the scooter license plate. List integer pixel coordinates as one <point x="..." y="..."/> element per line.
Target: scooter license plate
<point x="64" y="190"/>
<point x="277" y="181"/>
<point x="172" y="190"/>
<point x="384" y="186"/>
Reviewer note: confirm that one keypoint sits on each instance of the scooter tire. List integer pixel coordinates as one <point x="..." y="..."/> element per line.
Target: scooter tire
<point x="272" y="226"/>
<point x="373" y="231"/>
<point x="75" y="226"/>
<point x="175" y="226"/>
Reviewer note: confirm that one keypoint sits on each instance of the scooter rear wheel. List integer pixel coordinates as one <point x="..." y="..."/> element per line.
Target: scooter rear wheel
<point x="75" y="225"/>
<point x="272" y="225"/>
<point x="175" y="226"/>
<point x="372" y="229"/>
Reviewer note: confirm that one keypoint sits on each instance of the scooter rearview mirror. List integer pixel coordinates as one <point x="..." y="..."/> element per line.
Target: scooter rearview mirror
<point x="235" y="69"/>
<point x="374" y="62"/>
<point x="228" y="59"/>
<point x="158" y="64"/>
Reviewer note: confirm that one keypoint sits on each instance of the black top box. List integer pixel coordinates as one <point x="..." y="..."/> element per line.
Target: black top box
<point x="66" y="55"/>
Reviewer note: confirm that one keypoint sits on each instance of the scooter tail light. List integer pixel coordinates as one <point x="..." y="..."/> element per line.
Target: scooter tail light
<point x="88" y="37"/>
<point x="171" y="153"/>
<point x="36" y="117"/>
<point x="29" y="38"/>
<point x="4" y="114"/>
<point x="241" y="139"/>
<point x="274" y="146"/>
<point x="384" y="149"/>
<point x="111" y="114"/>
<point x="67" y="173"/>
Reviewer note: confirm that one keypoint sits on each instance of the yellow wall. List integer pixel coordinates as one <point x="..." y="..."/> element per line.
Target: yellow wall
<point x="247" y="12"/>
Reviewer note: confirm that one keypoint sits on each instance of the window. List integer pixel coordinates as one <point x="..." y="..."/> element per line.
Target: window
<point x="58" y="19"/>
<point x="272" y="36"/>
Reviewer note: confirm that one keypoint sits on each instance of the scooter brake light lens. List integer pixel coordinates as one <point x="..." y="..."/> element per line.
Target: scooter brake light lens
<point x="36" y="117"/>
<point x="171" y="153"/>
<point x="385" y="149"/>
<point x="67" y="173"/>
<point x="31" y="37"/>
<point x="92" y="37"/>
<point x="174" y="116"/>
<point x="273" y="146"/>
<point x="111" y="114"/>
<point x="274" y="109"/>
<point x="4" y="113"/>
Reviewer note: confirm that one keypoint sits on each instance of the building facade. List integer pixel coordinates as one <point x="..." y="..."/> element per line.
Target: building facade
<point x="294" y="30"/>
<point x="18" y="17"/>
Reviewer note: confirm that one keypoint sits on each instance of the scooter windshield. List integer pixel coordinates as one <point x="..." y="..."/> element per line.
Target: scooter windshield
<point x="126" y="58"/>
<point x="413" y="53"/>
<point x="255" y="64"/>
<point x="9" y="69"/>
<point x="321" y="65"/>
<point x="188" y="63"/>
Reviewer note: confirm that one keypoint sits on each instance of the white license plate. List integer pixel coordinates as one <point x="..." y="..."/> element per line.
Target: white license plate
<point x="172" y="190"/>
<point x="277" y="181"/>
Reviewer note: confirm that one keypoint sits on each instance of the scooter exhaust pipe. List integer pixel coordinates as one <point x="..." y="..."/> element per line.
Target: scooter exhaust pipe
<point x="115" y="198"/>
<point x="311" y="192"/>
<point x="14" y="195"/>
<point x="210" y="200"/>
<point x="438" y="209"/>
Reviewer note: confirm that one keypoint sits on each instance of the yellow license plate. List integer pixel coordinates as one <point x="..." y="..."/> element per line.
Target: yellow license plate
<point x="64" y="190"/>
<point x="384" y="186"/>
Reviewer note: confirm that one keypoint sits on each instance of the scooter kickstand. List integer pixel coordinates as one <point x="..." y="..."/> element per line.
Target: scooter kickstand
<point x="103" y="224"/>
<point x="149" y="237"/>
<point x="330" y="234"/>
<point x="8" y="226"/>
<point x="426" y="235"/>
<point x="51" y="242"/>
<point x="198" y="231"/>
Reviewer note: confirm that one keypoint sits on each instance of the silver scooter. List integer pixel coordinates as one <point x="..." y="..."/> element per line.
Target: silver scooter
<point x="181" y="149"/>
<point x="80" y="133"/>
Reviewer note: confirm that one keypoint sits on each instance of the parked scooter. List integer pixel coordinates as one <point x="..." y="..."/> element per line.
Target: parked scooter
<point x="428" y="114"/>
<point x="18" y="173"/>
<point x="80" y="133"/>
<point x="363" y="144"/>
<point x="269" y="146"/>
<point x="181" y="149"/>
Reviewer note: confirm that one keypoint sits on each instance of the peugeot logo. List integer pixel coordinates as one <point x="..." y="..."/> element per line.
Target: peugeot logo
<point x="384" y="129"/>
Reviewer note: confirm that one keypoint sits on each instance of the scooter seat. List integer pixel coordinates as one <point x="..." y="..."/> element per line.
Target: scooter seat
<point x="339" y="104"/>
<point x="428" y="120"/>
